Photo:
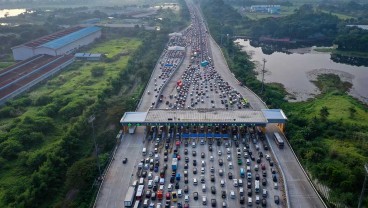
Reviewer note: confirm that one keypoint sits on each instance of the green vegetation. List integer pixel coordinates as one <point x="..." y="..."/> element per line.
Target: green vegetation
<point x="5" y="64"/>
<point x="329" y="133"/>
<point x="46" y="152"/>
<point x="352" y="39"/>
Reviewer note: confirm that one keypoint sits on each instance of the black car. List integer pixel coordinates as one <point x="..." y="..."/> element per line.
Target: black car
<point x="210" y="148"/>
<point x="264" y="181"/>
<point x="195" y="195"/>
<point x="257" y="176"/>
<point x="177" y="185"/>
<point x="186" y="189"/>
<point x="264" y="173"/>
<point x="259" y="160"/>
<point x="194" y="153"/>
<point x="125" y="160"/>
<point x="186" y="166"/>
<point x="242" y="200"/>
<point x="172" y="179"/>
<point x="213" y="203"/>
<point x="167" y="146"/>
<point x="186" y="159"/>
<point x="202" y="155"/>
<point x="154" y="188"/>
<point x="264" y="202"/>
<point x="185" y="151"/>
<point x="230" y="175"/>
<point x="194" y="162"/>
<point x="144" y="174"/>
<point x="271" y="163"/>
<point x="213" y="190"/>
<point x="166" y="152"/>
<point x="167" y="204"/>
<point x="153" y="196"/>
<point x="186" y="143"/>
<point x="194" y="170"/>
<point x="249" y="192"/>
<point x="223" y="194"/>
<point x="212" y="178"/>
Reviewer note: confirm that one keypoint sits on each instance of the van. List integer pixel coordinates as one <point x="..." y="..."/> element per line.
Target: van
<point x="145" y="203"/>
<point x="264" y="194"/>
<point x="180" y="193"/>
<point x="144" y="151"/>
<point x="150" y="183"/>
<point x="250" y="203"/>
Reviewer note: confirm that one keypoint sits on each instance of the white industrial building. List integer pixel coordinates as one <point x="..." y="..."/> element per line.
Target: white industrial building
<point x="59" y="43"/>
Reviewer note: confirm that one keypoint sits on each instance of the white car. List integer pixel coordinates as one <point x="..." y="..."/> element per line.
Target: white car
<point x="235" y="182"/>
<point x="232" y="194"/>
<point x="219" y="153"/>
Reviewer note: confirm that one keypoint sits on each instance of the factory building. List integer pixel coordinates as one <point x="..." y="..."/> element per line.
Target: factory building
<point x="59" y="43"/>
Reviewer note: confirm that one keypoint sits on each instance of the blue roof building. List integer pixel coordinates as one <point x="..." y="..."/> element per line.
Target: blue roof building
<point x="59" y="43"/>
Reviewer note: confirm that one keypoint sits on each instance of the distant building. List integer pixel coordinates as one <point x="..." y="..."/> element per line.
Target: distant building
<point x="91" y="21"/>
<point x="88" y="56"/>
<point x="59" y="43"/>
<point x="272" y="9"/>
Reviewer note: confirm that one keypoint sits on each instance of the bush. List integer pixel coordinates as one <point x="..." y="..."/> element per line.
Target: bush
<point x="97" y="71"/>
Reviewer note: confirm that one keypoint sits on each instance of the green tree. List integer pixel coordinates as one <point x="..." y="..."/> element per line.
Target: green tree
<point x="324" y="113"/>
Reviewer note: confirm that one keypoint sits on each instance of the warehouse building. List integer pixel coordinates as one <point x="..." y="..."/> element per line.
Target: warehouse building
<point x="59" y="43"/>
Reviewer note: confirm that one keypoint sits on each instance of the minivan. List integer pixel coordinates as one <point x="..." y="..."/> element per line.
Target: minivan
<point x="144" y="151"/>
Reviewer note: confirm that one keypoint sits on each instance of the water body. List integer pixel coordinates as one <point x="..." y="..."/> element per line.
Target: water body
<point x="11" y="12"/>
<point x="296" y="70"/>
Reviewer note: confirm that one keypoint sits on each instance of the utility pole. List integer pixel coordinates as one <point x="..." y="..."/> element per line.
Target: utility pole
<point x="90" y="120"/>
<point x="364" y="186"/>
<point x="263" y="72"/>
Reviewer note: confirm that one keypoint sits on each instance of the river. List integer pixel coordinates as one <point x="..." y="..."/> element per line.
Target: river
<point x="296" y="70"/>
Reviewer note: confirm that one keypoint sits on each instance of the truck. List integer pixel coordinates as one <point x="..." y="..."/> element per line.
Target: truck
<point x="256" y="186"/>
<point x="132" y="129"/>
<point x="174" y="164"/>
<point x="129" y="197"/>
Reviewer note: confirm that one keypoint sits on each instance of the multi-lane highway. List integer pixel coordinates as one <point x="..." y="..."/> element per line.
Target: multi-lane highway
<point x="180" y="81"/>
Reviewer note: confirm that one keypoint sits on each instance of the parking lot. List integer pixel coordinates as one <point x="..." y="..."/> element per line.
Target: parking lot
<point x="207" y="153"/>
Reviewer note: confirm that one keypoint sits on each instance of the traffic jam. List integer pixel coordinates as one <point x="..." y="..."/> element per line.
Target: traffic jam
<point x="202" y="166"/>
<point x="236" y="170"/>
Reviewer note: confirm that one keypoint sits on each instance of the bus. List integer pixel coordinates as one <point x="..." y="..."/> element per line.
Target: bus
<point x="129" y="198"/>
<point x="279" y="141"/>
<point x="140" y="192"/>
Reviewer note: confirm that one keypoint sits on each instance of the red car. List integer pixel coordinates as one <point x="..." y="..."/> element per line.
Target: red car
<point x="263" y="166"/>
<point x="168" y="196"/>
<point x="178" y="156"/>
<point x="186" y="205"/>
<point x="177" y="143"/>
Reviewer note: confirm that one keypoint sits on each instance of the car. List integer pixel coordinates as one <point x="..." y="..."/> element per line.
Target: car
<point x="202" y="155"/>
<point x="194" y="162"/>
<point x="186" y="205"/>
<point x="273" y="170"/>
<point x="276" y="199"/>
<point x="125" y="160"/>
<point x="153" y="196"/>
<point x="186" y="166"/>
<point x="264" y="181"/>
<point x="186" y="189"/>
<point x="221" y="162"/>
<point x="219" y="153"/>
<point x="186" y="198"/>
<point x="222" y="183"/>
<point x="194" y="170"/>
<point x="212" y="169"/>
<point x="232" y="194"/>
<point x="223" y="194"/>
<point x="210" y="148"/>
<point x="242" y="200"/>
<point x="195" y="195"/>
<point x="212" y="178"/>
<point x="230" y="175"/>
<point x="213" y="189"/>
<point x="203" y="180"/>
<point x="185" y="151"/>
<point x="264" y="203"/>
<point x="224" y="204"/>
<point x="194" y="153"/>
<point x="213" y="203"/>
<point x="204" y="200"/>
<point x="202" y="170"/>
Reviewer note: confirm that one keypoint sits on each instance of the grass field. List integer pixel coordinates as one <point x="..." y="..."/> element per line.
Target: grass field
<point x="5" y="64"/>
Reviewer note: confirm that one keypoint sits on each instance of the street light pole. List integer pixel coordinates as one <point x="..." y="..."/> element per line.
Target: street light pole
<point x="263" y="72"/>
<point x="90" y="120"/>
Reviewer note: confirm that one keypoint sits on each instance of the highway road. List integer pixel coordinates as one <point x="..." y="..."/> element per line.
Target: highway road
<point x="180" y="65"/>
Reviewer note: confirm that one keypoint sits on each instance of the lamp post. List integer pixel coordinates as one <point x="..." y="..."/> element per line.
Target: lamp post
<point x="263" y="72"/>
<point x="90" y="120"/>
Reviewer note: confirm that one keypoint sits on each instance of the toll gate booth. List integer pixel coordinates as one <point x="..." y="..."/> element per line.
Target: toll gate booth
<point x="207" y="118"/>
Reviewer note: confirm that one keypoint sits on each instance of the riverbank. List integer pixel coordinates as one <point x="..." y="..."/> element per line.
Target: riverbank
<point x="333" y="50"/>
